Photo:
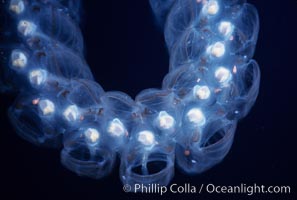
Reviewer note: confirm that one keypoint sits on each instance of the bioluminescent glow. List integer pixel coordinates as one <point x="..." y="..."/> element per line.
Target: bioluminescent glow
<point x="189" y="122"/>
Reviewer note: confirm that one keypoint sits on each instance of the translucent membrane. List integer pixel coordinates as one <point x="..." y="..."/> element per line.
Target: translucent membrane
<point x="191" y="121"/>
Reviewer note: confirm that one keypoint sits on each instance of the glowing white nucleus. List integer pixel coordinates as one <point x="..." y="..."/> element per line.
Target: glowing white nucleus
<point x="19" y="59"/>
<point x="26" y="27"/>
<point x="201" y="92"/>
<point x="146" y="137"/>
<point x="226" y="28"/>
<point x="211" y="7"/>
<point x="17" y="6"/>
<point x="92" y="135"/>
<point x="196" y="116"/>
<point x="37" y="77"/>
<point x="217" y="49"/>
<point x="223" y="75"/>
<point x="165" y="121"/>
<point x="46" y="106"/>
<point x="116" y="128"/>
<point x="71" y="113"/>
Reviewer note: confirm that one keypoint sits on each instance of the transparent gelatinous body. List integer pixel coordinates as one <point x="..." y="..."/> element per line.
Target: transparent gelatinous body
<point x="191" y="121"/>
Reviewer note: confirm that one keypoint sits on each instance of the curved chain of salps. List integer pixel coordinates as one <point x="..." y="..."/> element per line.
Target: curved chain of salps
<point x="191" y="121"/>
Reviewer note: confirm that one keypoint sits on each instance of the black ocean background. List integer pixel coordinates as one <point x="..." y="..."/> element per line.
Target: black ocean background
<point x="126" y="52"/>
